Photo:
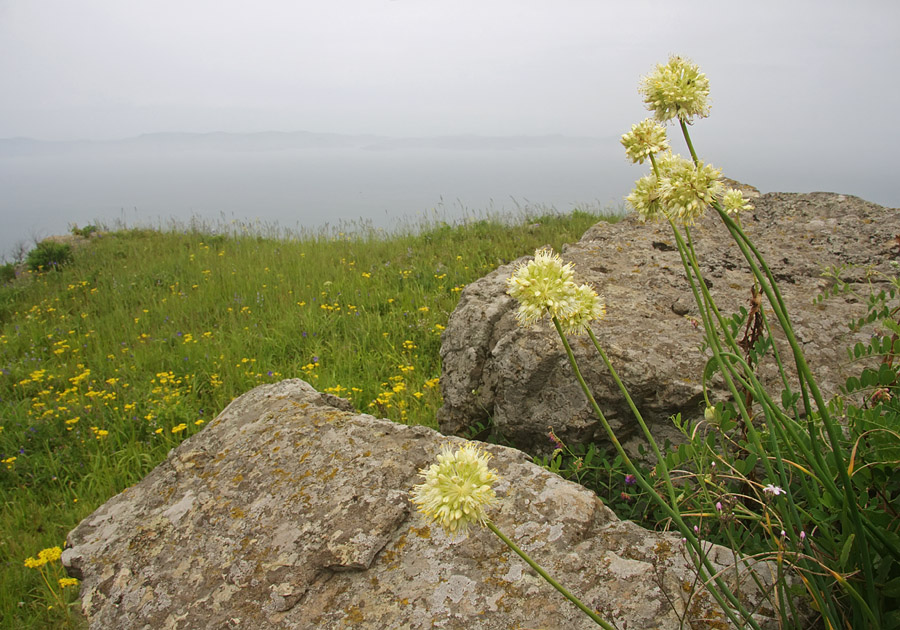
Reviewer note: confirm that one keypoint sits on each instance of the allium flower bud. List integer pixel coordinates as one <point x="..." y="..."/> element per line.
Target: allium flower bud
<point x="733" y="201"/>
<point x="676" y="90"/>
<point x="645" y="138"/>
<point x="457" y="489"/>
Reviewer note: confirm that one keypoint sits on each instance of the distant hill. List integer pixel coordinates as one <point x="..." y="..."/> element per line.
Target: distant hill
<point x="267" y="141"/>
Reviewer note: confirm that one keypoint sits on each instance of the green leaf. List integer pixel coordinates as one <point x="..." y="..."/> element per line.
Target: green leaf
<point x="886" y="375"/>
<point x="709" y="369"/>
<point x="891" y="325"/>
<point x="788" y="399"/>
<point x="845" y="552"/>
<point x="892" y="588"/>
<point x="892" y="620"/>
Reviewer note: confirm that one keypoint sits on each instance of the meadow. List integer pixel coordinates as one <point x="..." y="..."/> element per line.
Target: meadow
<point x="147" y="335"/>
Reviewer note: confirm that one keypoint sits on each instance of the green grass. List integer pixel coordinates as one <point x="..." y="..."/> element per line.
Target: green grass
<point x="119" y="356"/>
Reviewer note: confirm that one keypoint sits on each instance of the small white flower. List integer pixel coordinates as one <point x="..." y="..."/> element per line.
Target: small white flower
<point x="773" y="490"/>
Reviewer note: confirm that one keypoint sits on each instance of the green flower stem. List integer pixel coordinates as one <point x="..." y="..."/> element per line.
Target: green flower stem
<point x="655" y="167"/>
<point x="692" y="271"/>
<point x="559" y="587"/>
<point x="751" y="254"/>
<point x="660" y="460"/>
<point x="687" y="139"/>
<point x="721" y="592"/>
<point x="753" y="385"/>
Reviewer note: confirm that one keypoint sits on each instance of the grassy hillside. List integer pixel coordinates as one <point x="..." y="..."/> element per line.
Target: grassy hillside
<point x="146" y="336"/>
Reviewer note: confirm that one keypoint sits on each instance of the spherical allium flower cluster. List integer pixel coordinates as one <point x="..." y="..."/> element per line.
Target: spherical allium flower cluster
<point x="645" y="138"/>
<point x="686" y="189"/>
<point x="588" y="307"/>
<point x="546" y="286"/>
<point x="676" y="89"/>
<point x="457" y="488"/>
<point x="645" y="198"/>
<point x="683" y="191"/>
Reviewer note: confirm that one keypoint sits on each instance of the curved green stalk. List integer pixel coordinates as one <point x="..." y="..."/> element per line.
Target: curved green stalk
<point x="692" y="271"/>
<point x="687" y="139"/>
<point x="850" y="502"/>
<point x="705" y="568"/>
<point x="637" y="414"/>
<point x="559" y="587"/>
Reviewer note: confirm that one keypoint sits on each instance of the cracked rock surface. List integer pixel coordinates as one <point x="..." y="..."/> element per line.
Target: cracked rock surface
<point x="291" y="511"/>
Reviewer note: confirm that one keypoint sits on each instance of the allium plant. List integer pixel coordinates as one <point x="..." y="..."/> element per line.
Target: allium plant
<point x="788" y="486"/>
<point x="765" y="469"/>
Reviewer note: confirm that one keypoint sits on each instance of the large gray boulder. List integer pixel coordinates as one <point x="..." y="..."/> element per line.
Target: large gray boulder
<point x="519" y="379"/>
<point x="291" y="511"/>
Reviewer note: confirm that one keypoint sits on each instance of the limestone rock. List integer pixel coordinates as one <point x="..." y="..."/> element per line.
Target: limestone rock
<point x="519" y="379"/>
<point x="290" y="511"/>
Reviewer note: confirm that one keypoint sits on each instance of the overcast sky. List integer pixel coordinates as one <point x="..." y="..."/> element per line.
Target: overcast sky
<point x="792" y="81"/>
<point x="106" y="68"/>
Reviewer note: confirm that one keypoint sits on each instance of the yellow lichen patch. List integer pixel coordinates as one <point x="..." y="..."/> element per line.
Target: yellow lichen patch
<point x="663" y="549"/>
<point x="390" y="555"/>
<point x="353" y="614"/>
<point x="421" y="532"/>
<point x="327" y="476"/>
<point x="237" y="512"/>
<point x="238" y="478"/>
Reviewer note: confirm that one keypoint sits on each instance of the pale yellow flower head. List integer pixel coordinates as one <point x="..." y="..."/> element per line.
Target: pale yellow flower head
<point x="644" y="139"/>
<point x="588" y="307"/>
<point x="676" y="89"/>
<point x="645" y="198"/>
<point x="457" y="489"/>
<point x="733" y="201"/>
<point x="683" y="191"/>
<point x="687" y="190"/>
<point x="543" y="286"/>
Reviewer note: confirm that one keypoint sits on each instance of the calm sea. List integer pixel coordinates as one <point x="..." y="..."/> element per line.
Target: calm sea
<point x="301" y="189"/>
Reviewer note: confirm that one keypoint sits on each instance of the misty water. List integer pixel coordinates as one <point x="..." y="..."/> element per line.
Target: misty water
<point x="300" y="188"/>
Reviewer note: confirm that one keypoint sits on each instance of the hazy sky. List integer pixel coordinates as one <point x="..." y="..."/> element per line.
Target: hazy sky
<point x="824" y="70"/>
